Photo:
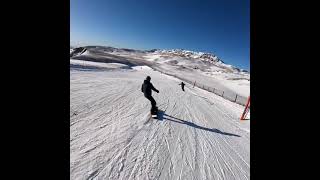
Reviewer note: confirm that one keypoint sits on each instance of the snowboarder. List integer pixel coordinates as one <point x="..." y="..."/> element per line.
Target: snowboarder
<point x="182" y="85"/>
<point x="146" y="89"/>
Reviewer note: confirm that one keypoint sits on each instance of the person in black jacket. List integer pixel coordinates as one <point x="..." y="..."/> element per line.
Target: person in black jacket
<point x="146" y="89"/>
<point x="182" y="85"/>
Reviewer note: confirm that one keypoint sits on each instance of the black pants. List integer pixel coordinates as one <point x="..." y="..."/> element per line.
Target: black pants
<point x="153" y="102"/>
<point x="182" y="88"/>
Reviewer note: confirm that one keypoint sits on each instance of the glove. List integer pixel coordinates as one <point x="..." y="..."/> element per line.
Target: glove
<point x="158" y="91"/>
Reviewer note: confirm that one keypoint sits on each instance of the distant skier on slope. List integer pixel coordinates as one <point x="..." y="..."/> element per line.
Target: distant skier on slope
<point x="182" y="85"/>
<point x="146" y="89"/>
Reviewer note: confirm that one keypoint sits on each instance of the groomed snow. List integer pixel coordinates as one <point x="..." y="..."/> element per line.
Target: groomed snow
<point x="112" y="136"/>
<point x="82" y="64"/>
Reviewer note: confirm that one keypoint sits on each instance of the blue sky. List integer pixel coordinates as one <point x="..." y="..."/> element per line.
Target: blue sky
<point x="221" y="27"/>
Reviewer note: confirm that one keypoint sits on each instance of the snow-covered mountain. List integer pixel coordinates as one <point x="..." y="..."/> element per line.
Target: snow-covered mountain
<point x="77" y="51"/>
<point x="191" y="54"/>
<point x="205" y="68"/>
<point x="173" y="53"/>
<point x="205" y="57"/>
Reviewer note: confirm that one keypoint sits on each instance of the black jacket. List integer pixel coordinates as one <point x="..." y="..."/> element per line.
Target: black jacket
<point x="146" y="88"/>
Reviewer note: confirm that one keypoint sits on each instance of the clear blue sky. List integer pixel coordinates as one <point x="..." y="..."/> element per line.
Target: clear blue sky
<point x="221" y="27"/>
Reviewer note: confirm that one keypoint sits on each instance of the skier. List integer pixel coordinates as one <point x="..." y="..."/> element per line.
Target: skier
<point x="182" y="85"/>
<point x="146" y="89"/>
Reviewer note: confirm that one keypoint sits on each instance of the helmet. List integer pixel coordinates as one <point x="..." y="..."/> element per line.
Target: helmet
<point x="148" y="78"/>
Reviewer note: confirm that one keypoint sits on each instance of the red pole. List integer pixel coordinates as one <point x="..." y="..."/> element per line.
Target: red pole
<point x="245" y="110"/>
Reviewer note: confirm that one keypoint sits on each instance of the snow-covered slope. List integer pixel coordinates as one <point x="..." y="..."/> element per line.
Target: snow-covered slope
<point x="89" y="65"/>
<point x="204" y="68"/>
<point x="198" y="136"/>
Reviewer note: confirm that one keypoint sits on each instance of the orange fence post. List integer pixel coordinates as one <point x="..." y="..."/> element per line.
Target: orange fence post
<point x="246" y="109"/>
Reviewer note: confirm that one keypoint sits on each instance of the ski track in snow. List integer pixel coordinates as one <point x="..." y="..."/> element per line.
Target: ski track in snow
<point x="112" y="135"/>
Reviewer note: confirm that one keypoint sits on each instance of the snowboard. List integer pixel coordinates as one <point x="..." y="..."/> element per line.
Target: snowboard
<point x="154" y="114"/>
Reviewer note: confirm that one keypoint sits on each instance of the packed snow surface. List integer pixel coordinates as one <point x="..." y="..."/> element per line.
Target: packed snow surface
<point x="198" y="134"/>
